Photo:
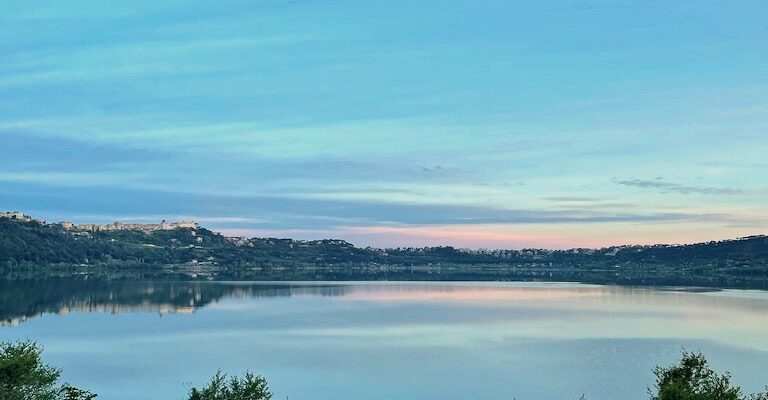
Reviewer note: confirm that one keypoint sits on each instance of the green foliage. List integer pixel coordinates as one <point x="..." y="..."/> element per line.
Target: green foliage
<point x="760" y="396"/>
<point x="692" y="379"/>
<point x="31" y="244"/>
<point x="250" y="387"/>
<point x="23" y="376"/>
<point x="72" y="393"/>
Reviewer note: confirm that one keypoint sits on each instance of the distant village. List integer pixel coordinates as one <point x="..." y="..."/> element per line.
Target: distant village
<point x="116" y="226"/>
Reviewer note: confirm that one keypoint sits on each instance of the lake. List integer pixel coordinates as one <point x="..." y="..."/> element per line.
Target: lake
<point x="330" y="340"/>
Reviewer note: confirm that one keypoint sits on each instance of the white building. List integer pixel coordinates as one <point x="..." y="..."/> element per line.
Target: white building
<point x="16" y="215"/>
<point x="67" y="225"/>
<point x="186" y="224"/>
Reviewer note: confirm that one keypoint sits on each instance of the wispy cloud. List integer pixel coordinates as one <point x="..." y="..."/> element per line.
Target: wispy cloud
<point x="572" y="199"/>
<point x="669" y="187"/>
<point x="25" y="152"/>
<point x="142" y="59"/>
<point x="298" y="212"/>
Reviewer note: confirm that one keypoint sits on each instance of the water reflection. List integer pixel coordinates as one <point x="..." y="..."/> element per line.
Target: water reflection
<point x="21" y="300"/>
<point x="383" y="341"/>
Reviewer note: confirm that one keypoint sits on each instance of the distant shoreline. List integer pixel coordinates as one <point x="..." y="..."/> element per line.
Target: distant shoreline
<point x="31" y="249"/>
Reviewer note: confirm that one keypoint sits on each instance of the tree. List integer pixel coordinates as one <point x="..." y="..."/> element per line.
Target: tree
<point x="692" y="379"/>
<point x="72" y="393"/>
<point x="23" y="376"/>
<point x="250" y="387"/>
<point x="760" y="396"/>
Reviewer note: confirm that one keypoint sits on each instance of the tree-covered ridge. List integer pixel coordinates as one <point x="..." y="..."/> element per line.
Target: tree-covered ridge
<point x="30" y="245"/>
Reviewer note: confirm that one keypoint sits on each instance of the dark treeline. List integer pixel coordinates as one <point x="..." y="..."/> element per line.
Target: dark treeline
<point x="27" y="248"/>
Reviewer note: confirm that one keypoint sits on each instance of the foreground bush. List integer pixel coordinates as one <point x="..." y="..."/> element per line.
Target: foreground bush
<point x="250" y="387"/>
<point x="24" y="376"/>
<point x="692" y="379"/>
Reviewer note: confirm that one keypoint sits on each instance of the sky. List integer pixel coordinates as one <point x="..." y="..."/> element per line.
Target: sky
<point x="483" y="124"/>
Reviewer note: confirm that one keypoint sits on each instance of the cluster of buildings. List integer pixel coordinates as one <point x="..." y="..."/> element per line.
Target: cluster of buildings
<point x="19" y="216"/>
<point x="117" y="226"/>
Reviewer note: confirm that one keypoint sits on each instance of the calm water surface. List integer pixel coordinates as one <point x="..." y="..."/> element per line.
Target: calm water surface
<point x="322" y="341"/>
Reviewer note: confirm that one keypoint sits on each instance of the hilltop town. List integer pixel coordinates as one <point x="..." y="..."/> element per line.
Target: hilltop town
<point x="116" y="226"/>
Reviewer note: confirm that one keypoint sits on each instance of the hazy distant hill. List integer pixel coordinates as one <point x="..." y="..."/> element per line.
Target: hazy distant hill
<point x="31" y="245"/>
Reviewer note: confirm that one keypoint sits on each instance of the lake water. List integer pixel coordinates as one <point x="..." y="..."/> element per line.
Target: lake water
<point x="323" y="341"/>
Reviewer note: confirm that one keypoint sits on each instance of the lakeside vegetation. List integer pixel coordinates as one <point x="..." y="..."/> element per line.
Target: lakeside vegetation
<point x="29" y="249"/>
<point x="25" y="376"/>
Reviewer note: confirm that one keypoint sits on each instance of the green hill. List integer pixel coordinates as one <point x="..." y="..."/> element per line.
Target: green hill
<point x="34" y="246"/>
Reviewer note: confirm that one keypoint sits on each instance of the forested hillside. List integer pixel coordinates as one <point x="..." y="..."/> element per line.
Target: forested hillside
<point x="30" y="245"/>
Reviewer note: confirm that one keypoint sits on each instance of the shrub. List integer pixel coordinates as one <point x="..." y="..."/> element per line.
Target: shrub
<point x="23" y="376"/>
<point x="692" y="379"/>
<point x="250" y="387"/>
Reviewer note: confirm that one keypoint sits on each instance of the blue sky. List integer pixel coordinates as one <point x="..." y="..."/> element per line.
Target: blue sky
<point x="480" y="124"/>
